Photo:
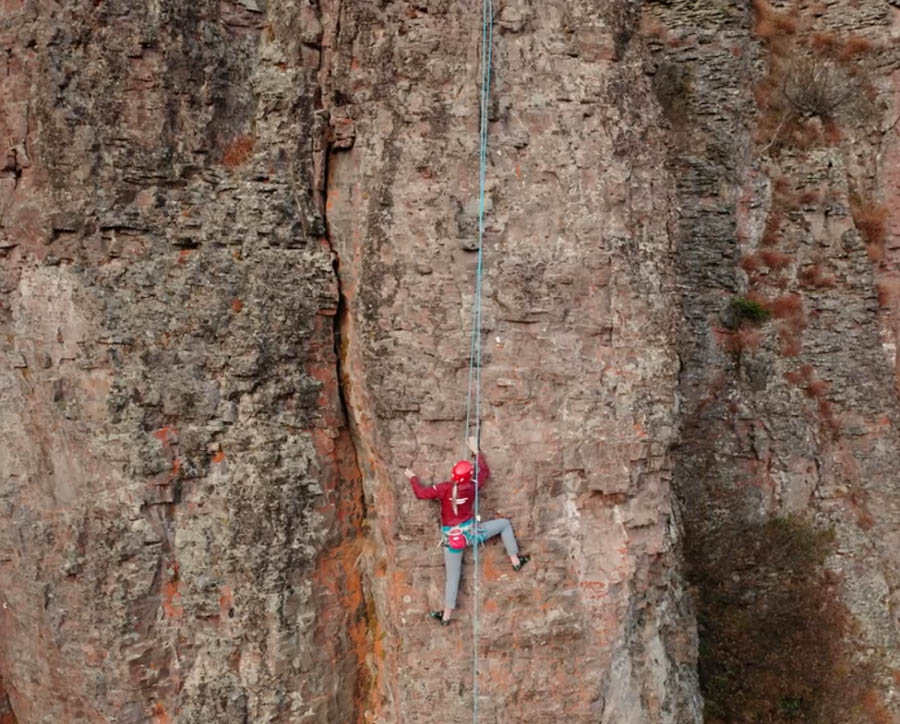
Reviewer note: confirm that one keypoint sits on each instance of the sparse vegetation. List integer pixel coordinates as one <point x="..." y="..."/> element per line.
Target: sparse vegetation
<point x="814" y="79"/>
<point x="817" y="87"/>
<point x="871" y="221"/>
<point x="772" y="630"/>
<point x="745" y="310"/>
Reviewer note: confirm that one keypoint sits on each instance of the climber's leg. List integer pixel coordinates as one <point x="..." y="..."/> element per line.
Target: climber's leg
<point x="490" y="528"/>
<point x="453" y="570"/>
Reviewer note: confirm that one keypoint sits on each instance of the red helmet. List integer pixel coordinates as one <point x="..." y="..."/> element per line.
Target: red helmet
<point x="462" y="471"/>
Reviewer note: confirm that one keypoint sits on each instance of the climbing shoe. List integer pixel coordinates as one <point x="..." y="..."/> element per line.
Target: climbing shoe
<point x="439" y="617"/>
<point x="522" y="561"/>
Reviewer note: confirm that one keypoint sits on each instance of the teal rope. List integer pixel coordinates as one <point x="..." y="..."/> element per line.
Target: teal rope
<point x="475" y="356"/>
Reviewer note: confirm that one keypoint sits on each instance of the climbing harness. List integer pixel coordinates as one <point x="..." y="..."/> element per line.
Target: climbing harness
<point x="458" y="537"/>
<point x="473" y="396"/>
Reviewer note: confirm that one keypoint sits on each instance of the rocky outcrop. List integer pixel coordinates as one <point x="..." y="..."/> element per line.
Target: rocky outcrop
<point x="782" y="120"/>
<point x="182" y="501"/>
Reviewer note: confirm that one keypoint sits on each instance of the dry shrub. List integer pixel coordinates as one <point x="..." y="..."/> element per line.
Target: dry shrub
<point x="739" y="340"/>
<point x="815" y="276"/>
<point x="870" y="219"/>
<point x="831" y="420"/>
<point x="775" y="260"/>
<point x="875" y="253"/>
<point x="888" y="291"/>
<point x="791" y="346"/>
<point x="772" y="231"/>
<point x="809" y="197"/>
<point x="816" y="388"/>
<point x="823" y="42"/>
<point x="816" y="86"/>
<point x="832" y="132"/>
<point x="789" y="309"/>
<point x="772" y="630"/>
<point x="854" y="46"/>
<point x="781" y="186"/>
<point x="751" y="263"/>
<point x="764" y="92"/>
<point x="858" y="500"/>
<point x="771" y="26"/>
<point x="805" y="373"/>
<point x="805" y="134"/>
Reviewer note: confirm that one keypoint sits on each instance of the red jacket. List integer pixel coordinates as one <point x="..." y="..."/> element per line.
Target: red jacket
<point x="465" y="494"/>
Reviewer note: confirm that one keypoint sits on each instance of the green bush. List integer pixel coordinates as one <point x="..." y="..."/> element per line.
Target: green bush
<point x="747" y="311"/>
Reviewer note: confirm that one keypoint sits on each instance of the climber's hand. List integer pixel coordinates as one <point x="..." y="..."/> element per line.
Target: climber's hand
<point x="473" y="444"/>
<point x="409" y="473"/>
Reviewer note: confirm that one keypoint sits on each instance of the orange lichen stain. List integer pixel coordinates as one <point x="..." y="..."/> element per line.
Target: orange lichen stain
<point x="237" y="305"/>
<point x="333" y="193"/>
<point x="348" y="610"/>
<point x="226" y="598"/>
<point x="401" y="585"/>
<point x="873" y="705"/>
<point x="183" y="255"/>
<point x="171" y="599"/>
<point x="218" y="457"/>
<point x="160" y="715"/>
<point x="176" y="466"/>
<point x="238" y="151"/>
<point x="165" y="434"/>
<point x="639" y="430"/>
<point x="489" y="569"/>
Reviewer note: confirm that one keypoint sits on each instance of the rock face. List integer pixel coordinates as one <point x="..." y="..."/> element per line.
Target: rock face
<point x="579" y="371"/>
<point x="783" y="128"/>
<point x="237" y="283"/>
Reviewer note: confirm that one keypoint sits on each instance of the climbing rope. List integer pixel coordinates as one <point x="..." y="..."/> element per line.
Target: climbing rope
<point x="473" y="396"/>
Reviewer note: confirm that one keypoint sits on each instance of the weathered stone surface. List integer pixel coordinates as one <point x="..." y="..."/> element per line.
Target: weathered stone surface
<point x="186" y="511"/>
<point x="181" y="506"/>
<point x="798" y="416"/>
<point x="579" y="369"/>
<point x="236" y="285"/>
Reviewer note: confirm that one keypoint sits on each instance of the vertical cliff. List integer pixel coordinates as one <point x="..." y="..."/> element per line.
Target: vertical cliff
<point x="580" y="370"/>
<point x="225" y="226"/>
<point x="180" y="496"/>
<point x="236" y="279"/>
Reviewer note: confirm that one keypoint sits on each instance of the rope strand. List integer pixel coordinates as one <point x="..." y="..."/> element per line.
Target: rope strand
<point x="475" y="356"/>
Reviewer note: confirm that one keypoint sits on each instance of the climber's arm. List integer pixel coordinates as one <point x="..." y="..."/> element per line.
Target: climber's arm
<point x="423" y="492"/>
<point x="483" y="471"/>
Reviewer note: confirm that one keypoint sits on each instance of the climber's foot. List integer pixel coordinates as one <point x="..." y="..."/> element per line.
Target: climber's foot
<point x="522" y="561"/>
<point x="439" y="617"/>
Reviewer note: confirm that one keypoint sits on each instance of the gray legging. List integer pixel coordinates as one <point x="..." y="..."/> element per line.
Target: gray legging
<point x="453" y="561"/>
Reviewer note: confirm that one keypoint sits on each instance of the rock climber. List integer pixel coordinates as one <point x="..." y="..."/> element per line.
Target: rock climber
<point x="458" y="526"/>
